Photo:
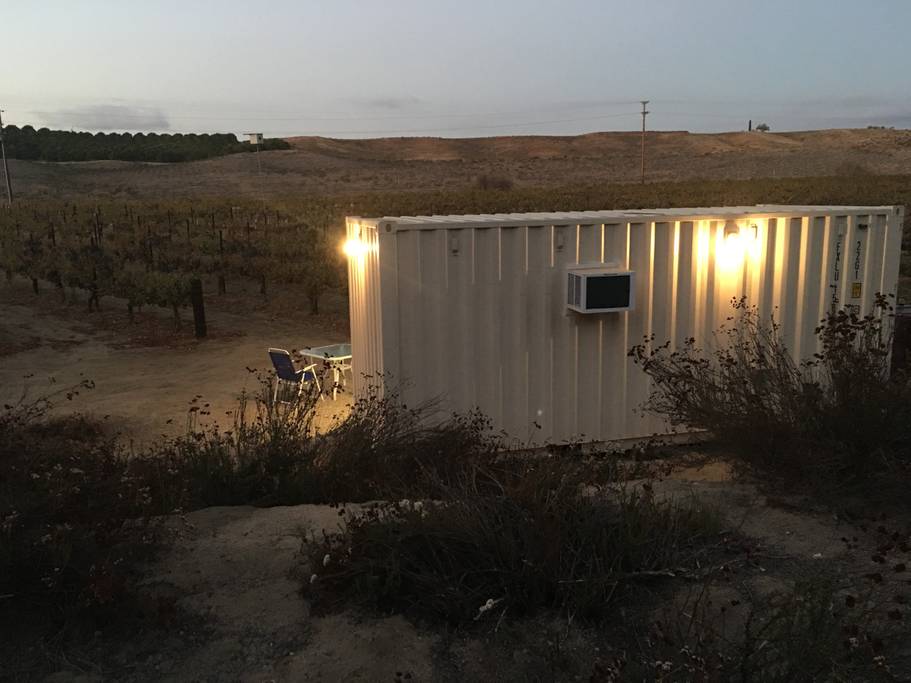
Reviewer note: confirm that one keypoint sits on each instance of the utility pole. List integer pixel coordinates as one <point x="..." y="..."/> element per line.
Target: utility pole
<point x="258" y="137"/>
<point x="9" y="184"/>
<point x="644" y="112"/>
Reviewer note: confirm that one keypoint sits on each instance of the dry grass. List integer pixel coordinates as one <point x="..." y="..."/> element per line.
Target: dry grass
<point x="323" y="165"/>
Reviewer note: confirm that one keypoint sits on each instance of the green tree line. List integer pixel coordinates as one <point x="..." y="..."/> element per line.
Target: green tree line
<point x="44" y="144"/>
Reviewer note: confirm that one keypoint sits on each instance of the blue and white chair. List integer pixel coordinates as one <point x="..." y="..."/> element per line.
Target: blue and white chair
<point x="288" y="376"/>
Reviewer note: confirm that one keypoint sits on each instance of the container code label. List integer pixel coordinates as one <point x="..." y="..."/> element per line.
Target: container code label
<point x="836" y="269"/>
<point x="856" y="289"/>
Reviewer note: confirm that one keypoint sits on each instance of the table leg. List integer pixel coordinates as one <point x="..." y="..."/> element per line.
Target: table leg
<point x="336" y="377"/>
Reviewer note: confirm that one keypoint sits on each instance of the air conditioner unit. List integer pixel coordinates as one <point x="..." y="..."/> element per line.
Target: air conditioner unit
<point x="600" y="290"/>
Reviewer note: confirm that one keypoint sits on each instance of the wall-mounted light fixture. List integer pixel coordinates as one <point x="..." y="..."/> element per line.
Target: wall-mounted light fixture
<point x="736" y="242"/>
<point x="354" y="246"/>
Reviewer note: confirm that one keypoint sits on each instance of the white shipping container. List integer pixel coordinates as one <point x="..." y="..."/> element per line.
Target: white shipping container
<point x="473" y="311"/>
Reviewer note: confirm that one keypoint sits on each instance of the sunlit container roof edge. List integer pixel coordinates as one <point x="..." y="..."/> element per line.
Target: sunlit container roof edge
<point x="434" y="222"/>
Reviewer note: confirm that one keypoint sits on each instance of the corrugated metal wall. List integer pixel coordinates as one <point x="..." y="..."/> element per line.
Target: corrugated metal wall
<point x="476" y="316"/>
<point x="366" y="311"/>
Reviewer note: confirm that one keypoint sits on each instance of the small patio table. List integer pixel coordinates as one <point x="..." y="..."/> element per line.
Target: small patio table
<point x="337" y="357"/>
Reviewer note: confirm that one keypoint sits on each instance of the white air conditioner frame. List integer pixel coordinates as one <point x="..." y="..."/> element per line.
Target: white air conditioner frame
<point x="584" y="272"/>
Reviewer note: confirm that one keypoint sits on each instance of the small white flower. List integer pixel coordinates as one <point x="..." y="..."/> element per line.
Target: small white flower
<point x="853" y="642"/>
<point x="326" y="560"/>
<point x="487" y="606"/>
<point x="313" y="578"/>
<point x="418" y="505"/>
<point x="817" y="556"/>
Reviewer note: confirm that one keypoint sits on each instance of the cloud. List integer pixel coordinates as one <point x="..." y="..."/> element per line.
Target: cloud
<point x="107" y="117"/>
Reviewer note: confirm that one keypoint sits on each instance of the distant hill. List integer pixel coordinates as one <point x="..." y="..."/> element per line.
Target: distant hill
<point x="660" y="144"/>
<point x="61" y="145"/>
<point x="334" y="166"/>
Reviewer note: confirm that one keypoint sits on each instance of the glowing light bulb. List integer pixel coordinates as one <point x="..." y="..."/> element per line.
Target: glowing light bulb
<point x="354" y="248"/>
<point x="731" y="249"/>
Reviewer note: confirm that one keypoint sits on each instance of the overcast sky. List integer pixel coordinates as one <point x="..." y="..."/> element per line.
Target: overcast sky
<point x="454" y="68"/>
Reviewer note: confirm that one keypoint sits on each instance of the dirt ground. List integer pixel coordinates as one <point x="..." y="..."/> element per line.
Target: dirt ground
<point x="147" y="377"/>
<point x="325" y="165"/>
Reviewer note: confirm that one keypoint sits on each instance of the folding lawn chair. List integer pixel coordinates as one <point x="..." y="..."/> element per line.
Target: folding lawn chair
<point x="286" y="374"/>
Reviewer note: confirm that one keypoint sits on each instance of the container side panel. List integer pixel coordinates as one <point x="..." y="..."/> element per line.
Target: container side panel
<point x="708" y="285"/>
<point x="364" y="309"/>
<point x="641" y="246"/>
<point x="767" y="271"/>
<point x="875" y="260"/>
<point x="430" y="342"/>
<point x="664" y="297"/>
<point x="731" y="279"/>
<point x="369" y="300"/>
<point x="834" y="267"/>
<point x="513" y="352"/>
<point x="410" y="380"/>
<point x="563" y="335"/>
<point x="460" y="333"/>
<point x="892" y="226"/>
<point x="754" y="264"/>
<point x="589" y="350"/>
<point x="792" y="282"/>
<point x="387" y="299"/>
<point x="614" y="343"/>
<point x="812" y="290"/>
<point x="539" y="303"/>
<point x="892" y="231"/>
<point x="859" y="228"/>
<point x="487" y="323"/>
<point x="685" y="287"/>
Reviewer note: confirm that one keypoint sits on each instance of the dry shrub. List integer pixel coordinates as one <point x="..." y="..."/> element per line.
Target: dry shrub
<point x="265" y="458"/>
<point x="839" y="420"/>
<point x="384" y="449"/>
<point x="273" y="456"/>
<point x="74" y="517"/>
<point x="814" y="631"/>
<point x="516" y="541"/>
